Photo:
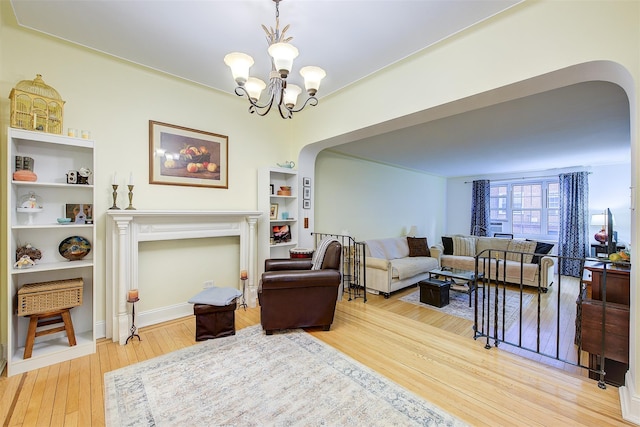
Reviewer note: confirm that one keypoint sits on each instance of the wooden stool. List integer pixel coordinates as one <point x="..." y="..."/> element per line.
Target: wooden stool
<point x="45" y="319"/>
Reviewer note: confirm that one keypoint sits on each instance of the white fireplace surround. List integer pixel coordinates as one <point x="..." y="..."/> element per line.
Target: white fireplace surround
<point x="127" y="228"/>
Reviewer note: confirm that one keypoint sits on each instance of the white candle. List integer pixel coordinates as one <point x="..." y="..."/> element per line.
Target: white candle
<point x="115" y="178"/>
<point x="131" y="178"/>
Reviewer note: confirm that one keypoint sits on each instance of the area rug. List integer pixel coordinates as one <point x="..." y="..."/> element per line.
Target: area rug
<point x="459" y="304"/>
<point x="250" y="379"/>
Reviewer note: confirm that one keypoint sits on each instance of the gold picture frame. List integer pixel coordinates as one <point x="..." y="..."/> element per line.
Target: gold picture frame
<point x="190" y="157"/>
<point x="273" y="211"/>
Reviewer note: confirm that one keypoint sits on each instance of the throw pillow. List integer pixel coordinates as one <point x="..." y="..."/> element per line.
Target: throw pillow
<point x="418" y="246"/>
<point x="542" y="249"/>
<point x="447" y="242"/>
<point x="521" y="246"/>
<point x="464" y="246"/>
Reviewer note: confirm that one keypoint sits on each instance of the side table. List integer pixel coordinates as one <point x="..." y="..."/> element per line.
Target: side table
<point x="434" y="292"/>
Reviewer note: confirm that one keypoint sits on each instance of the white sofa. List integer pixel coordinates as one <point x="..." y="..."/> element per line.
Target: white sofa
<point x="464" y="252"/>
<point x="389" y="266"/>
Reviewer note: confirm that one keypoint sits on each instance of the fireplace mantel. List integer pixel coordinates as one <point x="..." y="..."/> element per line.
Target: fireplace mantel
<point x="127" y="228"/>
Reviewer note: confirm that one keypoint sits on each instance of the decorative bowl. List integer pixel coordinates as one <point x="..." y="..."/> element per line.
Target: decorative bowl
<point x="285" y="187"/>
<point x="63" y="220"/>
<point x="74" y="248"/>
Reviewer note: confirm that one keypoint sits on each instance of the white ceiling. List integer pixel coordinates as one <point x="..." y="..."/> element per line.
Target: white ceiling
<point x="584" y="124"/>
<point x="352" y="39"/>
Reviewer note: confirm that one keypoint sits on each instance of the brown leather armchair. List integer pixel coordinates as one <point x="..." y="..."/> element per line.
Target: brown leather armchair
<point x="292" y="295"/>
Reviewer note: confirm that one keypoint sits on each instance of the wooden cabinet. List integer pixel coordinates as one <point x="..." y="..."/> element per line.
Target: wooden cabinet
<point x="53" y="156"/>
<point x="615" y="314"/>
<point x="270" y="181"/>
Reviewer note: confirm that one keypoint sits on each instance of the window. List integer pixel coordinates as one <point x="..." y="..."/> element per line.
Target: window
<point x="528" y="209"/>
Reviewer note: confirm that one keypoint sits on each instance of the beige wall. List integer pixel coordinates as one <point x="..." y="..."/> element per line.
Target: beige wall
<point x="372" y="200"/>
<point x="533" y="47"/>
<point x="531" y="39"/>
<point x="115" y="101"/>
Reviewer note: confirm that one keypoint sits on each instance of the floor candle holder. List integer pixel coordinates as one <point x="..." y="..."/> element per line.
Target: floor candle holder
<point x="130" y="207"/>
<point x="115" y="196"/>
<point x="134" y="328"/>
<point x="244" y="287"/>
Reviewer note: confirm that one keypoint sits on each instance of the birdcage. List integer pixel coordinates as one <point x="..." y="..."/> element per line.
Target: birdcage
<point x="36" y="106"/>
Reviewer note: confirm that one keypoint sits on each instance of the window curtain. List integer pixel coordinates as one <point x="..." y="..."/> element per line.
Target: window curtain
<point x="480" y="207"/>
<point x="574" y="225"/>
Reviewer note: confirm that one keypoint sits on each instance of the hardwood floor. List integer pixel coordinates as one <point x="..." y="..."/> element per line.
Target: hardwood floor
<point x="428" y="352"/>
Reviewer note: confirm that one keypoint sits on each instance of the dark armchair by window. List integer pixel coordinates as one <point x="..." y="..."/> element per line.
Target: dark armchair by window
<point x="293" y="295"/>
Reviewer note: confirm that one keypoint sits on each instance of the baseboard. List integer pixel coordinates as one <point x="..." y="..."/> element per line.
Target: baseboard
<point x="100" y="329"/>
<point x="629" y="401"/>
<point x="163" y="314"/>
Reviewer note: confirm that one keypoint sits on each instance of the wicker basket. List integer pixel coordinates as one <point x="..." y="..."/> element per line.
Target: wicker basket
<point x="43" y="297"/>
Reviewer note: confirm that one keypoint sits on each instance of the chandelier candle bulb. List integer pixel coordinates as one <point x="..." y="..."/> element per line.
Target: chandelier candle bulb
<point x="283" y="55"/>
<point x="239" y="64"/>
<point x="254" y="87"/>
<point x="291" y="95"/>
<point x="312" y="78"/>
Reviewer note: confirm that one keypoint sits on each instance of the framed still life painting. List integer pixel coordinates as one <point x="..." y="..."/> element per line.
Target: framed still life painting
<point x="183" y="156"/>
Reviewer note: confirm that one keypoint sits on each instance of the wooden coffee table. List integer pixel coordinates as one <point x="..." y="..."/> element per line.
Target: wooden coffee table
<point x="448" y="275"/>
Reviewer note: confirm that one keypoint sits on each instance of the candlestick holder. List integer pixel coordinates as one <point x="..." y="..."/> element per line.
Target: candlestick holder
<point x="115" y="196"/>
<point x="130" y="207"/>
<point x="133" y="328"/>
<point x="244" y="287"/>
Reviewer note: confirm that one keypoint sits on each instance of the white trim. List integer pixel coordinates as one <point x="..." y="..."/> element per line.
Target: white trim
<point x="100" y="329"/>
<point x="127" y="228"/>
<point x="629" y="400"/>
<point x="163" y="314"/>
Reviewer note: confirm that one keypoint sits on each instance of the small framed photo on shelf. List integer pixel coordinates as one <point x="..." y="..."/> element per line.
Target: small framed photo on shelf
<point x="306" y="182"/>
<point x="306" y="193"/>
<point x="271" y="189"/>
<point x="79" y="213"/>
<point x="281" y="233"/>
<point x="273" y="212"/>
<point x="306" y="204"/>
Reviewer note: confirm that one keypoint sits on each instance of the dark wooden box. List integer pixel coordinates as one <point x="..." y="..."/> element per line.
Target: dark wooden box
<point x="434" y="292"/>
<point x="214" y="321"/>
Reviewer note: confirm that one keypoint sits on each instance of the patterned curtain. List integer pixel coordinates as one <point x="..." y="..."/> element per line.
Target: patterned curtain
<point x="480" y="207"/>
<point x="574" y="225"/>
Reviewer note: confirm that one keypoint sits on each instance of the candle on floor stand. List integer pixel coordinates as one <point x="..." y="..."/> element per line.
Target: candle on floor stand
<point x="133" y="298"/>
<point x="244" y="288"/>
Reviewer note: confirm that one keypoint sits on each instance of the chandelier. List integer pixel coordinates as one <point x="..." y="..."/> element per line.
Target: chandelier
<point x="281" y="94"/>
